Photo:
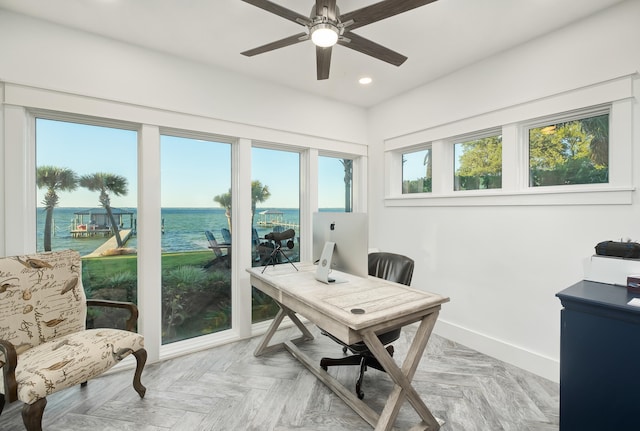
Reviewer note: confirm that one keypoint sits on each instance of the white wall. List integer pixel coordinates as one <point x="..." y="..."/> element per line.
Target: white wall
<point x="44" y="55"/>
<point x="502" y="265"/>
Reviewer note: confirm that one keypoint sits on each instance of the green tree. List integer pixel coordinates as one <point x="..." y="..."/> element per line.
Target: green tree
<point x="598" y="128"/>
<point x="106" y="183"/>
<point x="259" y="193"/>
<point x="481" y="157"/>
<point x="55" y="180"/>
<point x="573" y="152"/>
<point x="480" y="164"/>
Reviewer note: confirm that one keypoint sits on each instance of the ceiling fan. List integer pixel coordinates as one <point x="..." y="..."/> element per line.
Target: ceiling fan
<point x="327" y="27"/>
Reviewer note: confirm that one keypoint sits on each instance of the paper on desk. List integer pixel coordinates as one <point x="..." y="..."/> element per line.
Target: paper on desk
<point x="635" y="302"/>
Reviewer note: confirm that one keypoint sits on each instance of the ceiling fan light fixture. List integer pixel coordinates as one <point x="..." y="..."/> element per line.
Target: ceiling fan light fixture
<point x="324" y="35"/>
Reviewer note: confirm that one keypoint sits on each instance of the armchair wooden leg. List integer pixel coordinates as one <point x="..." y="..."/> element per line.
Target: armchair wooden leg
<point x="1" y="403"/>
<point x="32" y="415"/>
<point x="141" y="359"/>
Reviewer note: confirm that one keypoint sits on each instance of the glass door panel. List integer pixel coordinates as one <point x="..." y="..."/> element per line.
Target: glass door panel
<point x="86" y="177"/>
<point x="196" y="237"/>
<point x="275" y="199"/>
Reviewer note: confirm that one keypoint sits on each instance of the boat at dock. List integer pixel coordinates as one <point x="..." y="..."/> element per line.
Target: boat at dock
<point x="95" y="222"/>
<point x="274" y="218"/>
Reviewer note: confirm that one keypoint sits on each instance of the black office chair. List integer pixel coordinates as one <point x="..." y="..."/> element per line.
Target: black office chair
<point x="392" y="267"/>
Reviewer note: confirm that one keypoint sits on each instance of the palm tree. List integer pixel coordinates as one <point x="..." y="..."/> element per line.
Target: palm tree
<point x="225" y="202"/>
<point x="55" y="180"/>
<point x="107" y="183"/>
<point x="259" y="193"/>
<point x="347" y="164"/>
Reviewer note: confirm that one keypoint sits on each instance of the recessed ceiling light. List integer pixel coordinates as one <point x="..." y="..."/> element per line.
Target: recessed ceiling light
<point x="365" y="80"/>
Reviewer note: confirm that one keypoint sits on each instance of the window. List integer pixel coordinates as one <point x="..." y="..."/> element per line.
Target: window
<point x="196" y="237"/>
<point x="335" y="184"/>
<point x="478" y="163"/>
<point x="86" y="201"/>
<point x="570" y="152"/>
<point x="416" y="171"/>
<point x="275" y="206"/>
<point x="574" y="147"/>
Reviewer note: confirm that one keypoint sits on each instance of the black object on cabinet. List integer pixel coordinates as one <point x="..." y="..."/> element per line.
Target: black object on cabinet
<point x="599" y="358"/>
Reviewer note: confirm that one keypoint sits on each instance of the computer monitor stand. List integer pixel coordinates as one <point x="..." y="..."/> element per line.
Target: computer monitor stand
<point x="324" y="265"/>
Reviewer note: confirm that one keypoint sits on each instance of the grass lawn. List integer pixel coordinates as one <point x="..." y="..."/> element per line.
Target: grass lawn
<point x="103" y="267"/>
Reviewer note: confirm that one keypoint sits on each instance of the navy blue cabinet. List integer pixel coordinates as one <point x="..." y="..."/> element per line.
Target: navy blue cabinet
<point x="599" y="358"/>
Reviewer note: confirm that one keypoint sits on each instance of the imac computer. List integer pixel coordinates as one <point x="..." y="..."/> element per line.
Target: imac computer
<point x="340" y="242"/>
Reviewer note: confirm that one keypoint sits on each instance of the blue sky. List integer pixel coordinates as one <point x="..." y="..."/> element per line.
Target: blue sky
<point x="192" y="171"/>
<point x="413" y="166"/>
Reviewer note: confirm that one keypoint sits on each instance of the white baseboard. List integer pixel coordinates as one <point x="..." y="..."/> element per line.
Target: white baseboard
<point x="540" y="365"/>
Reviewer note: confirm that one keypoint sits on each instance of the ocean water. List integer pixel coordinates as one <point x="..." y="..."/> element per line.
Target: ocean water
<point x="183" y="228"/>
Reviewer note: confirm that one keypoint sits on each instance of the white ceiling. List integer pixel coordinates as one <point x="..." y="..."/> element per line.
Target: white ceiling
<point x="438" y="38"/>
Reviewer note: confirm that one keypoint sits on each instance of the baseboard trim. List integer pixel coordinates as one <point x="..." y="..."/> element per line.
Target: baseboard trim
<point x="540" y="365"/>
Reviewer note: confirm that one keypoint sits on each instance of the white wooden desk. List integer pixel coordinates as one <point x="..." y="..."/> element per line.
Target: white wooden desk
<point x="387" y="306"/>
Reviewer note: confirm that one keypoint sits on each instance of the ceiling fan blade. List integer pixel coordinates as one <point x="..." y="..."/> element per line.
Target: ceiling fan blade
<point x="291" y="40"/>
<point x="323" y="62"/>
<point x="280" y="11"/>
<point x="365" y="46"/>
<point x="379" y="11"/>
<point x="331" y="8"/>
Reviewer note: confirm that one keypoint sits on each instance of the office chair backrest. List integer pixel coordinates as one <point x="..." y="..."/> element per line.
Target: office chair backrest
<point x="391" y="266"/>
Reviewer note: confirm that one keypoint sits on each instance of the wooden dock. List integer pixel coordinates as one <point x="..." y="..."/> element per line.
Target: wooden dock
<point x="283" y="224"/>
<point x="111" y="243"/>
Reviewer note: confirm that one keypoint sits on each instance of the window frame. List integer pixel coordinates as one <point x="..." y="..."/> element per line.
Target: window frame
<point x="617" y="96"/>
<point x="452" y="142"/>
<point x="18" y="158"/>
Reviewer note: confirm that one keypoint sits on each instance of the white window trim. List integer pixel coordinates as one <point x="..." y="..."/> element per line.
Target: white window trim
<point x="618" y="94"/>
<point x="19" y="105"/>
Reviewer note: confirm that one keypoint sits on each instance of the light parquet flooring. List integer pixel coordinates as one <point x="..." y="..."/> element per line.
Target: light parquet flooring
<point x="227" y="388"/>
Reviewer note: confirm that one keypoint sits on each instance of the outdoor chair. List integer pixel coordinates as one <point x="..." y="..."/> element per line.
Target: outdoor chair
<point x="226" y="235"/>
<point x="44" y="344"/>
<point x="392" y="267"/>
<point x="217" y="249"/>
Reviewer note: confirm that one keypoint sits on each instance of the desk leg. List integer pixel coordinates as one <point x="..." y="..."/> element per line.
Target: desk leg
<point x="402" y="377"/>
<point x="264" y="347"/>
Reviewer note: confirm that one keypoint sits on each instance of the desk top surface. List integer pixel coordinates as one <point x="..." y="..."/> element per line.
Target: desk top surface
<point x="380" y="299"/>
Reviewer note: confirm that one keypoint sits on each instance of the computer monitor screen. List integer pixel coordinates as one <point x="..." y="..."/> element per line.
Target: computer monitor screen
<point x="350" y="233"/>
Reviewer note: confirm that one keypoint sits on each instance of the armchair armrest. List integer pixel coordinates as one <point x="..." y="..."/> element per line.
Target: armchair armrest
<point x="133" y="309"/>
<point x="8" y="370"/>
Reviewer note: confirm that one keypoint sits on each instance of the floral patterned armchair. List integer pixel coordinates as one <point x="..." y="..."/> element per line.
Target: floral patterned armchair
<point x="44" y="343"/>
